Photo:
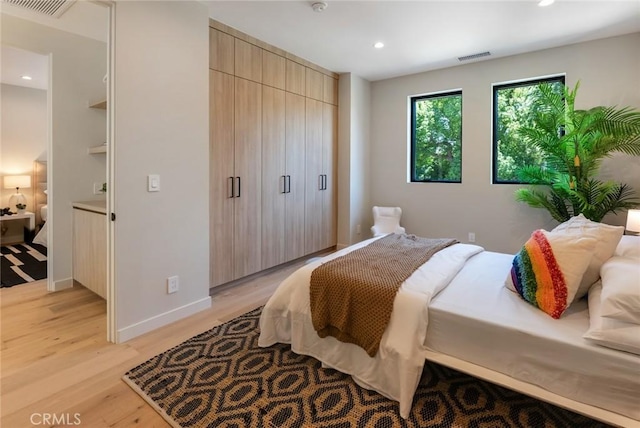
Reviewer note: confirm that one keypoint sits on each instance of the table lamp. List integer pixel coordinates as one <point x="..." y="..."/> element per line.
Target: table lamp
<point x="633" y="221"/>
<point x="17" y="181"/>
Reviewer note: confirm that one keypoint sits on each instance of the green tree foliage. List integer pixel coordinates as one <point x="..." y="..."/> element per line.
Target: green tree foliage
<point x="515" y="110"/>
<point x="573" y="144"/>
<point x="438" y="138"/>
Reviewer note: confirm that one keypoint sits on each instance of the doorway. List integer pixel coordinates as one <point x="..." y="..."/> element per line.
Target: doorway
<point x="23" y="156"/>
<point x="77" y="42"/>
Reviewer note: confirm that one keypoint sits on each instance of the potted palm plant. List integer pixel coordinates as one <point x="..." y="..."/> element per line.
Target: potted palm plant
<point x="573" y="144"/>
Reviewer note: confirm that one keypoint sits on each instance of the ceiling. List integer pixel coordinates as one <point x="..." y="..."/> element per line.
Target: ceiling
<point x="84" y="18"/>
<point x="17" y="63"/>
<point x="422" y="35"/>
<point x="418" y="35"/>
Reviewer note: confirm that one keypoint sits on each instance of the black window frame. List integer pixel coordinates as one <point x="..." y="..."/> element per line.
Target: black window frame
<point x="413" y="100"/>
<point x="496" y="87"/>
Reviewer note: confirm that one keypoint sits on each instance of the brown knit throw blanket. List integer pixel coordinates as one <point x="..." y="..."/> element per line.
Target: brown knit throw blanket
<point x="352" y="296"/>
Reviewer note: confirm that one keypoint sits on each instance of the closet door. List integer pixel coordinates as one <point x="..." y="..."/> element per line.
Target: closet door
<point x="314" y="84"/>
<point x="295" y="167"/>
<point x="329" y="161"/>
<point x="313" y="193"/>
<point x="248" y="167"/>
<point x="295" y="77"/>
<point x="273" y="177"/>
<point x="248" y="61"/>
<point x="221" y="140"/>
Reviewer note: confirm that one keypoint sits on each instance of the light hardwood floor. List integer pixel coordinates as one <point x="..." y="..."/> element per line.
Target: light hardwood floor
<point x="55" y="358"/>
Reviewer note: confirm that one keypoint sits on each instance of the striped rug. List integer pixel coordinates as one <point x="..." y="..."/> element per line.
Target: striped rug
<point x="222" y="379"/>
<point x="22" y="263"/>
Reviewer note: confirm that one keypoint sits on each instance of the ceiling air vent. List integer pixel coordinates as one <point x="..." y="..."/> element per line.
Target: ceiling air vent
<point x="474" y="56"/>
<point x="53" y="8"/>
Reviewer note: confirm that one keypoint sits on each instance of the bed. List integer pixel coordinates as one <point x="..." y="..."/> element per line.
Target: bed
<point x="455" y="323"/>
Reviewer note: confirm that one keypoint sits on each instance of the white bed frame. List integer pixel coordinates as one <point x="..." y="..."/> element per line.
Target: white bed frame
<point x="531" y="390"/>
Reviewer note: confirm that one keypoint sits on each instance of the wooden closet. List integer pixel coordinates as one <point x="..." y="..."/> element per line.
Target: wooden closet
<point x="273" y="145"/>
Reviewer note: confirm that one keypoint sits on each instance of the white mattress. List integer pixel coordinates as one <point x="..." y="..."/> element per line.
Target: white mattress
<point x="478" y="320"/>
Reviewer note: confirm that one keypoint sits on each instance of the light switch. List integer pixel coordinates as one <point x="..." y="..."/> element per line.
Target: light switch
<point x="153" y="183"/>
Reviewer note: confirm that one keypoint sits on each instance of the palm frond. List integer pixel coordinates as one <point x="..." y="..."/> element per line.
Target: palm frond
<point x="619" y="123"/>
<point x="618" y="197"/>
<point x="549" y="201"/>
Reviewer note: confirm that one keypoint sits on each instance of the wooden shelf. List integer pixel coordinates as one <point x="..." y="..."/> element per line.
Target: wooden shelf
<point x="99" y="104"/>
<point x="102" y="148"/>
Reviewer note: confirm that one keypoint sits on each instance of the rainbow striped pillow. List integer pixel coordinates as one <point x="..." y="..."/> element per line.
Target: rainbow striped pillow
<point x="548" y="269"/>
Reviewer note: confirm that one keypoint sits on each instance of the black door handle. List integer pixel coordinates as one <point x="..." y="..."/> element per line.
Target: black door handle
<point x="230" y="179"/>
<point x="284" y="183"/>
<point x="238" y="195"/>
<point x="288" y="184"/>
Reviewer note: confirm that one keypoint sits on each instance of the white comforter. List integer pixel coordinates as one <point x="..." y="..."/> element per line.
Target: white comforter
<point x="396" y="369"/>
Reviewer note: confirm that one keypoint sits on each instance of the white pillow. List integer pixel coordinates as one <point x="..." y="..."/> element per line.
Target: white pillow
<point x="621" y="289"/>
<point x="608" y="238"/>
<point x="629" y="246"/>
<point x="547" y="271"/>
<point x="609" y="332"/>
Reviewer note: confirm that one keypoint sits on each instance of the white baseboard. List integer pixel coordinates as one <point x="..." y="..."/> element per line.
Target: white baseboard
<point x="158" y="321"/>
<point x="62" y="284"/>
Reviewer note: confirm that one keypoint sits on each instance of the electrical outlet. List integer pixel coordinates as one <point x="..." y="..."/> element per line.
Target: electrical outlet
<point x="173" y="284"/>
<point x="358" y="230"/>
<point x="97" y="189"/>
<point x="472" y="237"/>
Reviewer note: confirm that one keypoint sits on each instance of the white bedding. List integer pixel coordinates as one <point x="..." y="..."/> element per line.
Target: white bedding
<point x="396" y="369"/>
<point x="41" y="237"/>
<point x="478" y="320"/>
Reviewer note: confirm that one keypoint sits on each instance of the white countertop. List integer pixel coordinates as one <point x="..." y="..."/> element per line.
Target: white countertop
<point x="93" y="206"/>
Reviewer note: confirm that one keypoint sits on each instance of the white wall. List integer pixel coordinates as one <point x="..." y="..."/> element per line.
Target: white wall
<point x="608" y="72"/>
<point x="353" y="159"/>
<point x="78" y="66"/>
<point x="161" y="127"/>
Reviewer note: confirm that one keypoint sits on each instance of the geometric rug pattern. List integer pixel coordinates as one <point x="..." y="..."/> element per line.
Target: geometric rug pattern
<point x="22" y="263"/>
<point x="222" y="379"/>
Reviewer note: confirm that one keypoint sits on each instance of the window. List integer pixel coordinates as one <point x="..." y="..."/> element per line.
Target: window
<point x="436" y="137"/>
<point x="512" y="110"/>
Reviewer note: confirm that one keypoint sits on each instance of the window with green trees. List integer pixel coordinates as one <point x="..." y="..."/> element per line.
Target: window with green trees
<point x="512" y="110"/>
<point x="436" y="137"/>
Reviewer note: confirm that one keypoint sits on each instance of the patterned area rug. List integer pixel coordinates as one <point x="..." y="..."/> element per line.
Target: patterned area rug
<point x="22" y="263"/>
<point x="222" y="379"/>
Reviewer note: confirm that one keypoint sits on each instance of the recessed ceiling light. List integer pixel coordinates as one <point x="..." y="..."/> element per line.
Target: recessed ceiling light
<point x="378" y="45"/>
<point x="25" y="77"/>
<point x="545" y="2"/>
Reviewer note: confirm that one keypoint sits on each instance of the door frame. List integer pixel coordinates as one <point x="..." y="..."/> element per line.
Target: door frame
<point x="111" y="288"/>
<point x="110" y="171"/>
